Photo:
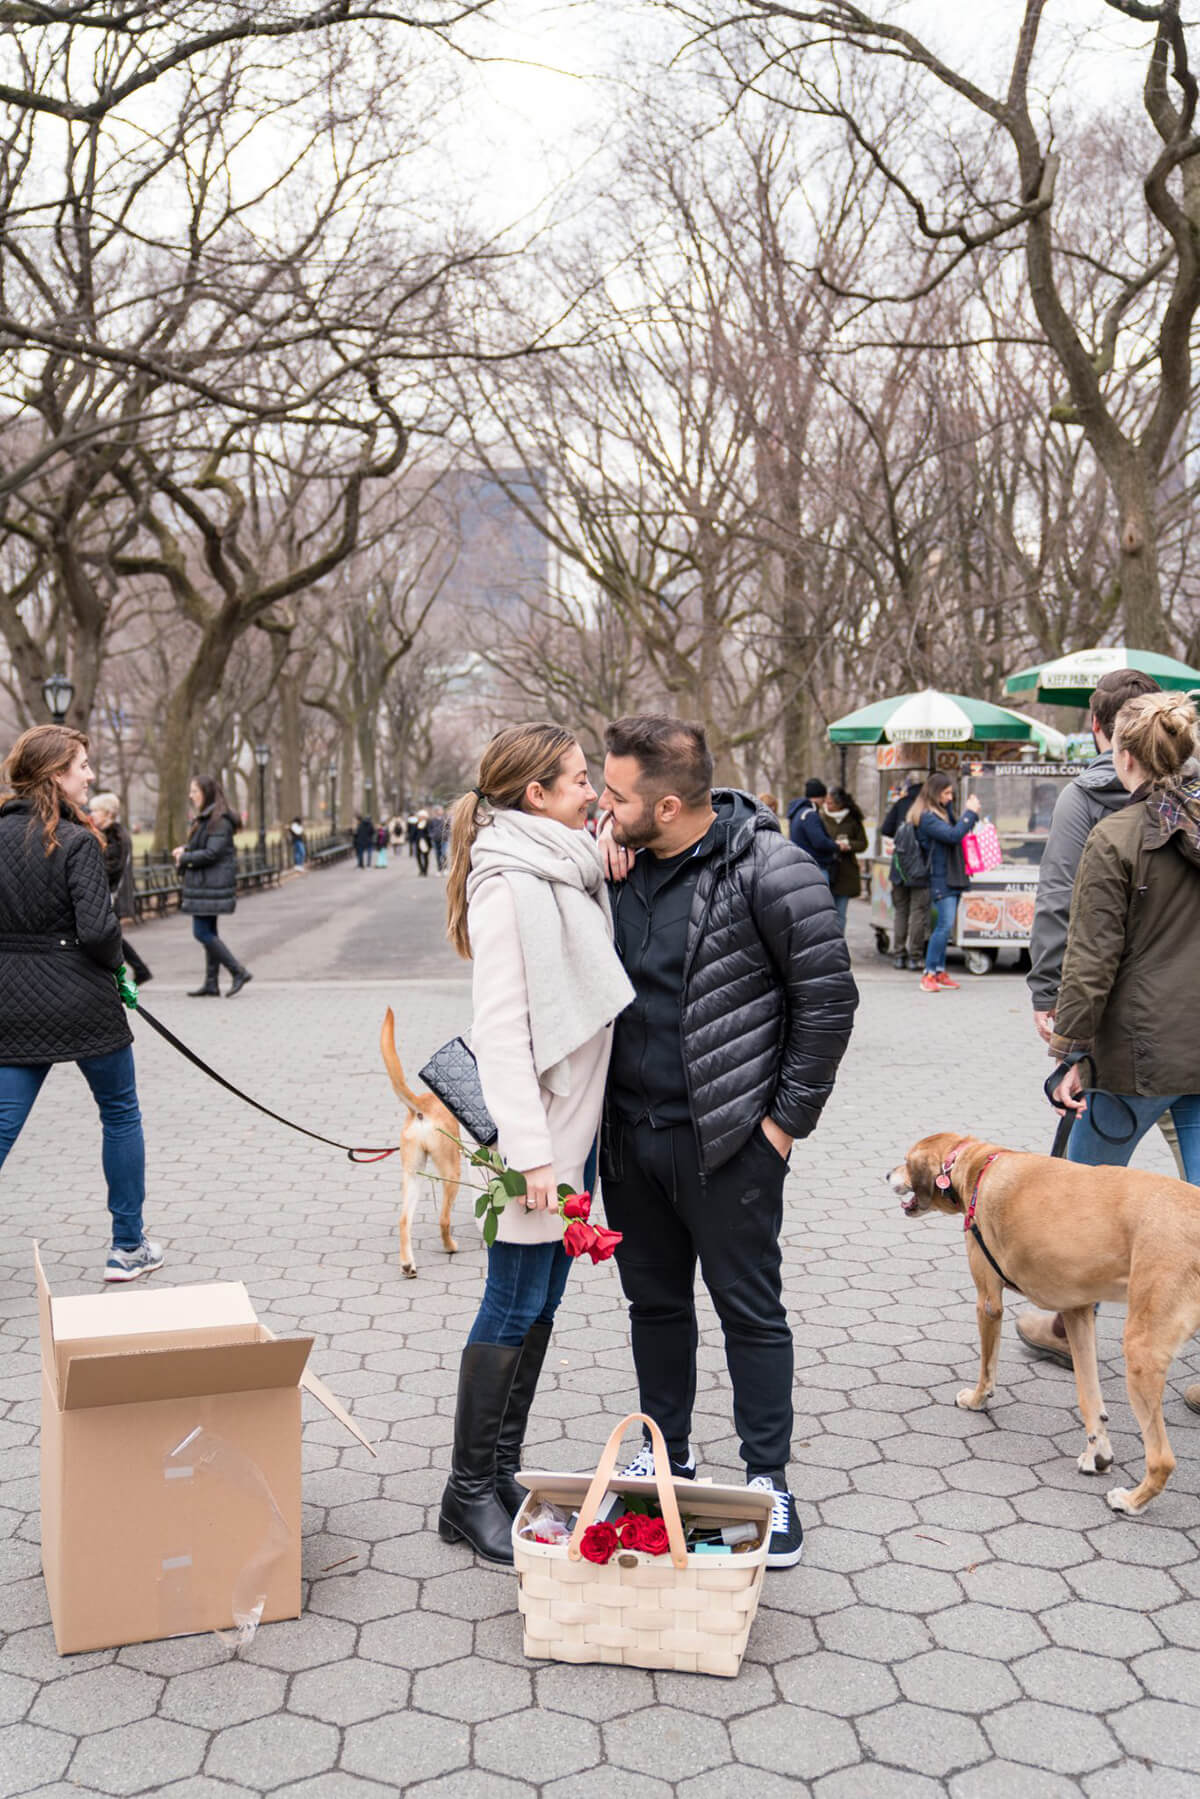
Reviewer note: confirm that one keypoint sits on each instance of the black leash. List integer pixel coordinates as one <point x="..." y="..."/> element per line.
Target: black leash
<point x="1067" y="1116"/>
<point x="355" y="1155"/>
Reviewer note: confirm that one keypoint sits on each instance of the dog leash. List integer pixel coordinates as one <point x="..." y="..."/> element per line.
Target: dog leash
<point x="359" y="1155"/>
<point x="1067" y="1117"/>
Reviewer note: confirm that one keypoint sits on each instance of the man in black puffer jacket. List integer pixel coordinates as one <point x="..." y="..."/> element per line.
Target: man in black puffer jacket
<point x="743" y="1009"/>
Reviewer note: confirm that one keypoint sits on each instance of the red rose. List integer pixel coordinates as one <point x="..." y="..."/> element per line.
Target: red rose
<point x="577" y="1205"/>
<point x="630" y="1531"/>
<point x="598" y="1543"/>
<point x="653" y="1538"/>
<point x="604" y="1243"/>
<point x="578" y="1238"/>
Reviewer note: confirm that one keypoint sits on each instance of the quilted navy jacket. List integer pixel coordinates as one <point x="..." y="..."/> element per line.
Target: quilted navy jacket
<point x="768" y="998"/>
<point x="60" y="943"/>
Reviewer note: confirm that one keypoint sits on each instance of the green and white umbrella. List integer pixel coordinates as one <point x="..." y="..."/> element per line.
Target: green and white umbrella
<point x="1071" y="680"/>
<point x="933" y="717"/>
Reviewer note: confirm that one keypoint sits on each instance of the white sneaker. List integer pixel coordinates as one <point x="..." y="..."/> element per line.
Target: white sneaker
<point x="642" y="1466"/>
<point x="128" y="1264"/>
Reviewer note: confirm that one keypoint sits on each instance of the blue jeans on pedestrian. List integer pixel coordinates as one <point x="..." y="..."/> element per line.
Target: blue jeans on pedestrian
<point x="525" y="1282"/>
<point x="841" y="905"/>
<point x="944" y="912"/>
<point x="299" y="853"/>
<point x="114" y="1088"/>
<point x="204" y="928"/>
<point x="1087" y="1146"/>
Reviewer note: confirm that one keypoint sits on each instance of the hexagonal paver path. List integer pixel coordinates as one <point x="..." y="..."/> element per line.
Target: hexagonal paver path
<point x="969" y="1619"/>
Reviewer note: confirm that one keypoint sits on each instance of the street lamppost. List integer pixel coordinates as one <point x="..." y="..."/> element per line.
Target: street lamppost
<point x="333" y="821"/>
<point x="58" y="693"/>
<point x="262" y="755"/>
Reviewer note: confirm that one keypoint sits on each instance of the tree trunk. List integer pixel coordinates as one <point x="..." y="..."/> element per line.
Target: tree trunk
<point x="1141" y="597"/>
<point x="291" y="739"/>
<point x="796" y="709"/>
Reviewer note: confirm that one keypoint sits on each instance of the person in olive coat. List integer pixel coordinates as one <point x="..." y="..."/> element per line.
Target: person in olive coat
<point x="208" y="864"/>
<point x="60" y="946"/>
<point x="842" y="818"/>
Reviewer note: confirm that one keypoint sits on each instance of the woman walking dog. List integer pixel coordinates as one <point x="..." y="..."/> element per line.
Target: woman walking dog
<point x="527" y="902"/>
<point x="60" y="945"/>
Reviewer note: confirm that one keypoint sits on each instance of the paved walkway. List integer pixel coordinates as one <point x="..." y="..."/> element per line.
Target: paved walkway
<point x="969" y="1618"/>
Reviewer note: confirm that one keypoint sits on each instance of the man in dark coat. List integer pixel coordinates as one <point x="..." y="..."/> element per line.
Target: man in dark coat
<point x="364" y="840"/>
<point x="807" y="831"/>
<point x="744" y="1003"/>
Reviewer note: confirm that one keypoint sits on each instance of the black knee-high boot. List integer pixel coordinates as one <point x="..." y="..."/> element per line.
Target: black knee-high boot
<point x="212" y="970"/>
<point x="470" y="1510"/>
<point x="512" y="1432"/>
<point x="228" y="960"/>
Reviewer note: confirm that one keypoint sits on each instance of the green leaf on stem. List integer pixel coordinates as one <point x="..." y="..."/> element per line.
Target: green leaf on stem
<point x="513" y="1182"/>
<point x="482" y="1205"/>
<point x="490" y="1226"/>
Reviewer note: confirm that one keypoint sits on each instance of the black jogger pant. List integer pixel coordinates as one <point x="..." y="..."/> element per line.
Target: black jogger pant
<point x="730" y="1224"/>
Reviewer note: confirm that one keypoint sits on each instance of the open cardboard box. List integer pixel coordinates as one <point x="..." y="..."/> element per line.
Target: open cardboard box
<point x="170" y="1463"/>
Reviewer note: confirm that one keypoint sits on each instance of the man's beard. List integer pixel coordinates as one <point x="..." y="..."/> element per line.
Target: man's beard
<point x="639" y="836"/>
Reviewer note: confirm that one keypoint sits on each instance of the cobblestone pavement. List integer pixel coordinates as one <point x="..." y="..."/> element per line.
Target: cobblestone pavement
<point x="969" y="1617"/>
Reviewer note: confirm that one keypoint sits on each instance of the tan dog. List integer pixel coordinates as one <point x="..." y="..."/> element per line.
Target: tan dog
<point x="430" y="1135"/>
<point x="1067" y="1236"/>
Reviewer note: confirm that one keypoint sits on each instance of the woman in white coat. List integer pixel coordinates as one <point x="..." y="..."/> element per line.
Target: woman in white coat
<point x="528" y="904"/>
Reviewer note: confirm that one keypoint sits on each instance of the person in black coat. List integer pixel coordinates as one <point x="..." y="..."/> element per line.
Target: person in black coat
<point x="364" y="840"/>
<point x="808" y="833"/>
<point x="208" y="864"/>
<point x="60" y="946"/>
<point x="743" y="1008"/>
<point x="105" y="812"/>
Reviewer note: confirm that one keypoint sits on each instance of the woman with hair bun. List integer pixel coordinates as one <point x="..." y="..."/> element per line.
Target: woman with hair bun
<point x="60" y="946"/>
<point x="527" y="904"/>
<point x="1130" y="993"/>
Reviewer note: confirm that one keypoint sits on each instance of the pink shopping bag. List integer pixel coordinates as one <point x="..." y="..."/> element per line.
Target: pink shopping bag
<point x="981" y="848"/>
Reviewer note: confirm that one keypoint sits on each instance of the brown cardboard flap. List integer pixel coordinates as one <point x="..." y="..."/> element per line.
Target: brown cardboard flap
<point x="45" y="1322"/>
<point x="143" y="1375"/>
<point x="323" y="1396"/>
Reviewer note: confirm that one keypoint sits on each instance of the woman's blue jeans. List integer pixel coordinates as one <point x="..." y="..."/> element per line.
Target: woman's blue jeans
<point x="114" y="1088"/>
<point x="1086" y="1145"/>
<point x="841" y="905"/>
<point x="944" y="911"/>
<point x="525" y="1282"/>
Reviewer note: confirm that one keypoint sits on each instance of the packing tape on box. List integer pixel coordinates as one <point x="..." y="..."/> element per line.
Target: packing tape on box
<point x="193" y="1472"/>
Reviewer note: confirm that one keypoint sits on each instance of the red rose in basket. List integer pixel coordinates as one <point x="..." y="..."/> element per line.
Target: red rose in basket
<point x="653" y="1538"/>
<point x="599" y="1543"/>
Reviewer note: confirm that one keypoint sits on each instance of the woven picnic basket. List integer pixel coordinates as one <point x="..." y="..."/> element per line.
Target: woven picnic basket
<point x="688" y="1612"/>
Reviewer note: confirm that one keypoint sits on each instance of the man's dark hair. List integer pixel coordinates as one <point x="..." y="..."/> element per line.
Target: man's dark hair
<point x="1112" y="691"/>
<point x="672" y="753"/>
<point x="815" y="789"/>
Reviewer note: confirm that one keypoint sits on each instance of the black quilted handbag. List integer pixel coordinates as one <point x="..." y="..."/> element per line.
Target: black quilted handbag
<point x="453" y="1074"/>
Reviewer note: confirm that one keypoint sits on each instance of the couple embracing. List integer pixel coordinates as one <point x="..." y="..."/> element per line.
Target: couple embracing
<point x="684" y="985"/>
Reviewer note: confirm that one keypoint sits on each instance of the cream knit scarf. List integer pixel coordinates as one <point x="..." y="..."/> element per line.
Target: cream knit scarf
<point x="573" y="976"/>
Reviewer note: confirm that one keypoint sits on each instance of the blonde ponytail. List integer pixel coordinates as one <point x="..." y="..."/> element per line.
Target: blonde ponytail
<point x="513" y="760"/>
<point x="1159" y="731"/>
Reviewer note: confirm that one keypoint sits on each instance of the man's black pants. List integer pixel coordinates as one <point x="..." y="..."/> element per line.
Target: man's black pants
<point x="669" y="1220"/>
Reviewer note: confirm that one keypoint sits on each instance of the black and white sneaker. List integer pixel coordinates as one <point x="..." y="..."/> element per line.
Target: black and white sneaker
<point x="642" y="1466"/>
<point x="787" y="1533"/>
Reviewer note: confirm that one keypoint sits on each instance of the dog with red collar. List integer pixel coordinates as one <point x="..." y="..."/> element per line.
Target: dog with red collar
<point x="1067" y="1236"/>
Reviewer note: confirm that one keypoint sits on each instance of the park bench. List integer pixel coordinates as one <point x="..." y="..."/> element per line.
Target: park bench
<point x="331" y="849"/>
<point x="253" y="872"/>
<point x="155" y="888"/>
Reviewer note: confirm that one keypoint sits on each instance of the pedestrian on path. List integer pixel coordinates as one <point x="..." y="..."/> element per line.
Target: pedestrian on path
<point x="381" y="846"/>
<point x="744" y="1006"/>
<point x="421" y="840"/>
<point x="439" y="836"/>
<point x="1094" y="794"/>
<point x="60" y="945"/>
<point x="208" y="865"/>
<point x="364" y="839"/>
<point x="105" y="813"/>
<point x="527" y="905"/>
<point x="299" y="842"/>
<point x="909" y="877"/>
<point x="940" y="835"/>
<point x="842" y="820"/>
<point x="1130" y="991"/>
<point x="807" y="831"/>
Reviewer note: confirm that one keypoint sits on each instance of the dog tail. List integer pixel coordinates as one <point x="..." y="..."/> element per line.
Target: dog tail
<point x="391" y="1061"/>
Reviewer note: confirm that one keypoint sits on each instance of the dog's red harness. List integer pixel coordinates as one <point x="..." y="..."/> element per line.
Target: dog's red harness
<point x="943" y="1183"/>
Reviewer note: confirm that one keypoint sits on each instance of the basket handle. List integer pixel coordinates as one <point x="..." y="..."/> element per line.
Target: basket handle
<point x="603" y="1475"/>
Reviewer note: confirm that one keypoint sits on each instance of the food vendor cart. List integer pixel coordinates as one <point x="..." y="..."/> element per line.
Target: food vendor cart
<point x="1014" y="764"/>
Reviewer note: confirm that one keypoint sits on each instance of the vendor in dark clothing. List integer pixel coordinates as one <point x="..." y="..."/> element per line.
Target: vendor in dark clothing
<point x="807" y="831"/>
